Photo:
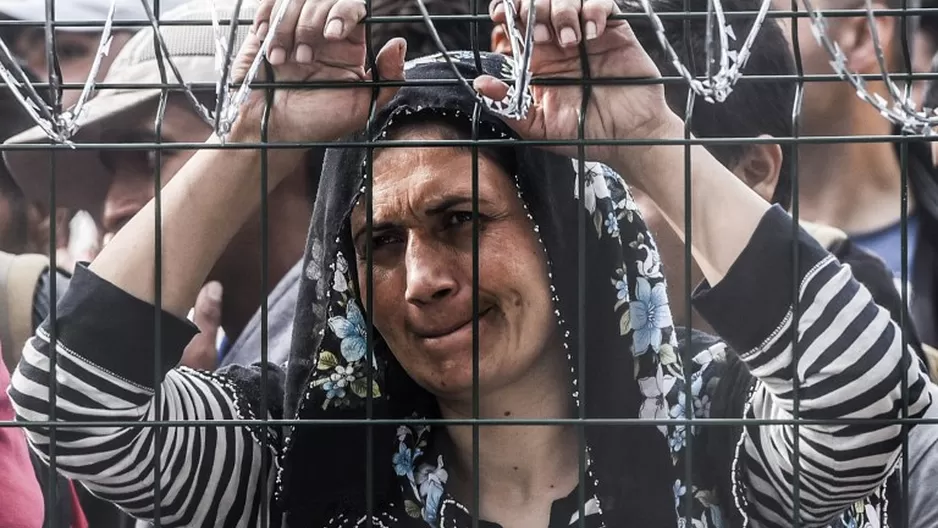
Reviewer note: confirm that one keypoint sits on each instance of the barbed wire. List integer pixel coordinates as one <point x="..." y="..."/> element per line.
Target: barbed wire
<point x="229" y="106"/>
<point x="518" y="100"/>
<point x="58" y="127"/>
<point x="902" y="111"/>
<point x="714" y="88"/>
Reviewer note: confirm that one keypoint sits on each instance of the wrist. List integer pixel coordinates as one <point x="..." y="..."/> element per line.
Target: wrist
<point x="647" y="164"/>
<point x="280" y="161"/>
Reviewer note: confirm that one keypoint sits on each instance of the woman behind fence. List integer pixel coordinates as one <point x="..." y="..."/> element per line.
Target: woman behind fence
<point x="555" y="340"/>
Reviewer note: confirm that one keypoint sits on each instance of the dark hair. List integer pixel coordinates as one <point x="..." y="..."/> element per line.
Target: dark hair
<point x="755" y="107"/>
<point x="455" y="34"/>
<point x="928" y="24"/>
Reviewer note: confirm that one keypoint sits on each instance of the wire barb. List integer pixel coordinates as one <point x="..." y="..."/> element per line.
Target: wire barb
<point x="518" y="100"/>
<point x="59" y="127"/>
<point x="230" y="107"/>
<point x="164" y="49"/>
<point x="902" y="112"/>
<point x="716" y="87"/>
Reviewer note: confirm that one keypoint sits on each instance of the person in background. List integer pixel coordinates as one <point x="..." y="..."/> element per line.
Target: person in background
<point x="76" y="47"/>
<point x="118" y="183"/>
<point x="754" y="109"/>
<point x="764" y="109"/>
<point x="22" y="496"/>
<point x="25" y="287"/>
<point x="856" y="186"/>
<point x="924" y="47"/>
<point x="24" y="224"/>
<point x="26" y="280"/>
<point x="930" y="100"/>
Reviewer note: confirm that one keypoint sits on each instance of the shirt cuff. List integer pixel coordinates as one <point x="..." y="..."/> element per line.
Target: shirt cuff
<point x="755" y="296"/>
<point x="117" y="331"/>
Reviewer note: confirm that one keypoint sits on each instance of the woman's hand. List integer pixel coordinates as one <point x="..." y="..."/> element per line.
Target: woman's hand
<point x="614" y="111"/>
<point x="317" y="41"/>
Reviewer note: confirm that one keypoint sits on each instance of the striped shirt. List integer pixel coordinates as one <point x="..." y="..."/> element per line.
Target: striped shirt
<point x="852" y="365"/>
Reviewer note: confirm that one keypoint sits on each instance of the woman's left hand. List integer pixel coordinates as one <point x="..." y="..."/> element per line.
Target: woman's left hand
<point x="614" y="111"/>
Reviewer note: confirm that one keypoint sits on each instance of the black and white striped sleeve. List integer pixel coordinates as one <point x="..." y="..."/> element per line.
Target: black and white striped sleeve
<point x="852" y="365"/>
<point x="105" y="372"/>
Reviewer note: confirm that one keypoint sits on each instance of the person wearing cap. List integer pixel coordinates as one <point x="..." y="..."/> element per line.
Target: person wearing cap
<point x="113" y="185"/>
<point x="77" y="45"/>
<point x="28" y="277"/>
<point x="25" y="290"/>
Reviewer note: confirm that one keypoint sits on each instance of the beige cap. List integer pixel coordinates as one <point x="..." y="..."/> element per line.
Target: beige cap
<point x="82" y="179"/>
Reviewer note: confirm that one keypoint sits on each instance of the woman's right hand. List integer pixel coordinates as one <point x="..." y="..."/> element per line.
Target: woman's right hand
<point x="317" y="40"/>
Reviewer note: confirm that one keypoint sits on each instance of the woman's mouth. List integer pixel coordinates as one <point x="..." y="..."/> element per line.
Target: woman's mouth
<point x="456" y="337"/>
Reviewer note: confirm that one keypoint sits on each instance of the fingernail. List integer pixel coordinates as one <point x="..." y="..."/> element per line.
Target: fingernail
<point x="333" y="28"/>
<point x="214" y="291"/>
<point x="499" y="9"/>
<point x="277" y="56"/>
<point x="590" y="30"/>
<point x="262" y="30"/>
<point x="541" y="33"/>
<point x="567" y="36"/>
<point x="304" y="54"/>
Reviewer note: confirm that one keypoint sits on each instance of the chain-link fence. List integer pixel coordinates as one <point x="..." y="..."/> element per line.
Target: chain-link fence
<point x="573" y="263"/>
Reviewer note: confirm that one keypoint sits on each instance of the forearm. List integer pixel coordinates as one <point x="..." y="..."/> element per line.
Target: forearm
<point x="203" y="207"/>
<point x="841" y="351"/>
<point x="720" y="232"/>
<point x="106" y="373"/>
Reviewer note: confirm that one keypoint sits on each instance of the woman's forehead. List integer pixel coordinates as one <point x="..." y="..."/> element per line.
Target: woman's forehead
<point x="419" y="180"/>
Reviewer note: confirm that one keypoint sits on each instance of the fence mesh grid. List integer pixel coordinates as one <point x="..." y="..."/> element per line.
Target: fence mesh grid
<point x="477" y="17"/>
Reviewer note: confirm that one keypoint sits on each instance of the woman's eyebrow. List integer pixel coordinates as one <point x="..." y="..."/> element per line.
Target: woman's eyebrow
<point x="448" y="202"/>
<point x="434" y="208"/>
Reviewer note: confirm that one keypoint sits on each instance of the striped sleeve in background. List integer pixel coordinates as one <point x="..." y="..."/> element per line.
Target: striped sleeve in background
<point x="210" y="475"/>
<point x="852" y="366"/>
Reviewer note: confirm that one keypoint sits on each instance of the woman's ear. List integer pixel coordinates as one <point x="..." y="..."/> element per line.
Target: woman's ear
<point x="500" y="42"/>
<point x="759" y="168"/>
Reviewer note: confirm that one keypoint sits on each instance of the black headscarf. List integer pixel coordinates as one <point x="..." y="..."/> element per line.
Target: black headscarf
<point x="633" y="369"/>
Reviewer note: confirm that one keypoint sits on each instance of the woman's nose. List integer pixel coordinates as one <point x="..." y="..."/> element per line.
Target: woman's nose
<point x="431" y="272"/>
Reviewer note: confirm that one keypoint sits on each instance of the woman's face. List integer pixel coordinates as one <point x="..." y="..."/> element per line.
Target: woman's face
<point x="422" y="265"/>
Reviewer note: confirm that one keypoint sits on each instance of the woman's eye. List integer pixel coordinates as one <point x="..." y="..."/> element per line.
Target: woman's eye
<point x="459" y="218"/>
<point x="384" y="240"/>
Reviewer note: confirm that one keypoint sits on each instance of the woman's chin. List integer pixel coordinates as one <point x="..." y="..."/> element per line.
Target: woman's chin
<point x="455" y="381"/>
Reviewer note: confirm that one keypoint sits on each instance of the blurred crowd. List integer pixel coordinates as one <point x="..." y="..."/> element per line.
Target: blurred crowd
<point x="870" y="202"/>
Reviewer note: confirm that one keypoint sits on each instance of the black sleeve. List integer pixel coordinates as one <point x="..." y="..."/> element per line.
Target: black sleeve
<point x="43" y="294"/>
<point x="105" y="344"/>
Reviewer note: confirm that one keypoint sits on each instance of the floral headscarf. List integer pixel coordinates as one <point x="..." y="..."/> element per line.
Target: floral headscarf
<point x="635" y="474"/>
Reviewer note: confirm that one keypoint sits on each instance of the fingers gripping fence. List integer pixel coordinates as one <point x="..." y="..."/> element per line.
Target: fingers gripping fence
<point x="724" y="72"/>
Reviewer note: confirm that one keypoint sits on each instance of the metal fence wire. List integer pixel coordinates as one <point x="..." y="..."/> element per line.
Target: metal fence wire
<point x="671" y="34"/>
